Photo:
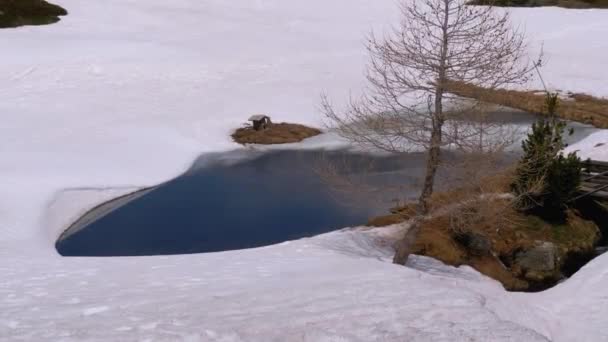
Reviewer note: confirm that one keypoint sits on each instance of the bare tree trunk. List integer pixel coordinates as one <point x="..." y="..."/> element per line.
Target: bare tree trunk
<point x="432" y="164"/>
<point x="404" y="246"/>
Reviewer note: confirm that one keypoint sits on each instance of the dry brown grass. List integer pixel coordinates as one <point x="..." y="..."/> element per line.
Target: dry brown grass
<point x="386" y="220"/>
<point x="493" y="268"/>
<point x="508" y="231"/>
<point x="438" y="240"/>
<point x="277" y="133"/>
<point x="398" y="215"/>
<point x="495" y="184"/>
<point x="578" y="107"/>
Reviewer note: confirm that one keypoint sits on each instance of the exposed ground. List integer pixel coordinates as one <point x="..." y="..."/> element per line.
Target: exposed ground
<point x="573" y="106"/>
<point x="509" y="234"/>
<point x="15" y="13"/>
<point x="457" y="236"/>
<point x="278" y="133"/>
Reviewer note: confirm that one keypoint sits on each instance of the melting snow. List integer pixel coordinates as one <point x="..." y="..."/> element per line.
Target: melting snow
<point x="126" y="94"/>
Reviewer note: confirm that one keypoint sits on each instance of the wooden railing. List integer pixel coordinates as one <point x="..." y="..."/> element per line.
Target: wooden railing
<point x="595" y="181"/>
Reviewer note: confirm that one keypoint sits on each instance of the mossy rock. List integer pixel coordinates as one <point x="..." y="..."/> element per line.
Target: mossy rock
<point x="15" y="13"/>
<point x="276" y="133"/>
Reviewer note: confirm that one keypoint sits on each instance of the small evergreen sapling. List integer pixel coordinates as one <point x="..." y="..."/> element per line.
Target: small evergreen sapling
<point x="546" y="178"/>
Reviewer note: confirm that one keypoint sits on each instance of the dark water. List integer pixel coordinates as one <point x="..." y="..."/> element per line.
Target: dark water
<point x="262" y="200"/>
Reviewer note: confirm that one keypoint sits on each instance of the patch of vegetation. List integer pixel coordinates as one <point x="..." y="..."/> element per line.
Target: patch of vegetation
<point x="499" y="183"/>
<point x="398" y="214"/>
<point x="509" y="235"/>
<point x="488" y="233"/>
<point x="541" y="3"/>
<point x="545" y="179"/>
<point x="385" y="220"/>
<point x="577" y="107"/>
<point x="276" y="133"/>
<point x="15" y="13"/>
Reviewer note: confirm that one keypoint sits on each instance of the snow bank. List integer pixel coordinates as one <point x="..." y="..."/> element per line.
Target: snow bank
<point x="336" y="287"/>
<point x="594" y="147"/>
<point x="126" y="94"/>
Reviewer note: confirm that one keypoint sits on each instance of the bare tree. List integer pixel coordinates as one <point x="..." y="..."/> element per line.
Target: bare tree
<point x="407" y="106"/>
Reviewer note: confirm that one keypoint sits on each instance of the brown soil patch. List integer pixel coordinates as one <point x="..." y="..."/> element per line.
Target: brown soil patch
<point x="578" y="107"/>
<point x="276" y="133"/>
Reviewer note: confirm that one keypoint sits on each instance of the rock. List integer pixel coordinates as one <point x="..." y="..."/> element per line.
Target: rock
<point x="541" y="258"/>
<point x="476" y="244"/>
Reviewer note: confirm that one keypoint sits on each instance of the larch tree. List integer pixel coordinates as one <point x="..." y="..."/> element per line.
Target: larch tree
<point x="407" y="105"/>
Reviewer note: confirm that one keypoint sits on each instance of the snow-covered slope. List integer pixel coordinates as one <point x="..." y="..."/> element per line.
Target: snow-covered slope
<point x="126" y="93"/>
<point x="337" y="287"/>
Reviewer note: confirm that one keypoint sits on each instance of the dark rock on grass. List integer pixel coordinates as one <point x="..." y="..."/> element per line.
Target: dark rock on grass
<point x="276" y="133"/>
<point x="15" y="13"/>
<point x="476" y="244"/>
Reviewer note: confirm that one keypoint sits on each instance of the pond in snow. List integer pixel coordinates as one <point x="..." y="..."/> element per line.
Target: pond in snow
<point x="258" y="199"/>
<point x="249" y="199"/>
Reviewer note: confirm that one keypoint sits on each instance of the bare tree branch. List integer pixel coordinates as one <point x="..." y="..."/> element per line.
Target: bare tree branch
<point x="407" y="107"/>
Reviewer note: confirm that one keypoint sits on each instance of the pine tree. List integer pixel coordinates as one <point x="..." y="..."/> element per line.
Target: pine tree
<point x="545" y="178"/>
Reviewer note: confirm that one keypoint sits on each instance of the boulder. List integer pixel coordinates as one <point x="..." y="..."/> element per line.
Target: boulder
<point x="541" y="259"/>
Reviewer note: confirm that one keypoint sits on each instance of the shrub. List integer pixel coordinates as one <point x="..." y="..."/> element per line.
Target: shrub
<point x="563" y="180"/>
<point x="545" y="178"/>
